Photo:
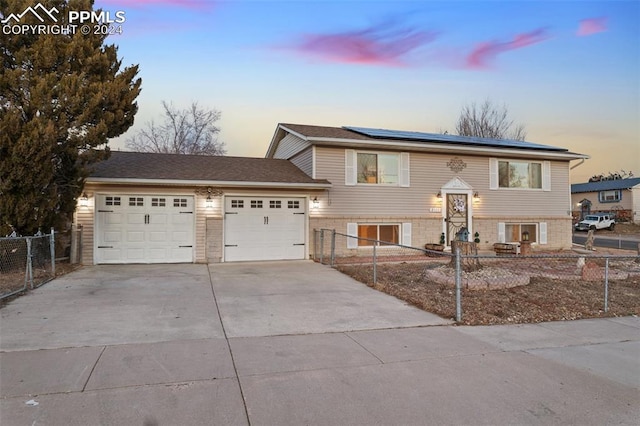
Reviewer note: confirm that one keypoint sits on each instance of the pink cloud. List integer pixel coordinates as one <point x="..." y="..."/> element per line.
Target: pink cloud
<point x="185" y="4"/>
<point x="591" y="26"/>
<point x="370" y="46"/>
<point x="485" y="52"/>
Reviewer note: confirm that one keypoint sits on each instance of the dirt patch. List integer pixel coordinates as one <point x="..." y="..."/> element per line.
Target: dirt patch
<point x="543" y="299"/>
<point x="15" y="280"/>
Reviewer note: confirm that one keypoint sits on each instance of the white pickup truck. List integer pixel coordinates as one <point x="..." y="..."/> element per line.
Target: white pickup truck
<point x="596" y="221"/>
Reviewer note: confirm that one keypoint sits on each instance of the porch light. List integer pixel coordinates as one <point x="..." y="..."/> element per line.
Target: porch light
<point x="439" y="195"/>
<point x="84" y="200"/>
<point x="208" y="203"/>
<point x="476" y="196"/>
<point x="525" y="236"/>
<point x="315" y="203"/>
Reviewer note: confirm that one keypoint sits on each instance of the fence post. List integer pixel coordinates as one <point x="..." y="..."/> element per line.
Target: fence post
<point x="80" y="244"/>
<point x="29" y="264"/>
<point x="375" y="266"/>
<point x="606" y="284"/>
<point x="333" y="247"/>
<point x="458" y="285"/>
<point x="322" y="246"/>
<point x="52" y="249"/>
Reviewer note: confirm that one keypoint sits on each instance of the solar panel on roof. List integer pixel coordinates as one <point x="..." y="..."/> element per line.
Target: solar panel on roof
<point x="439" y="138"/>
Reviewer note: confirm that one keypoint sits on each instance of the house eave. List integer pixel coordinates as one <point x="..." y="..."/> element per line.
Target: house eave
<point x="445" y="148"/>
<point x="275" y="140"/>
<point x="216" y="183"/>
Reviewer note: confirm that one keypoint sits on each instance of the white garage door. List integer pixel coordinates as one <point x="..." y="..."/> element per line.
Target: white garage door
<point x="264" y="228"/>
<point x="144" y="228"/>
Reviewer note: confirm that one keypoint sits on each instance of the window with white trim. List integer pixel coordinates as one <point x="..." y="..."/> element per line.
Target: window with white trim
<point x="385" y="234"/>
<point x="293" y="204"/>
<point x="179" y="202"/>
<point x="275" y="204"/>
<point x="237" y="204"/>
<point x="136" y="201"/>
<point x="256" y="204"/>
<point x="112" y="201"/>
<point x="610" y="196"/>
<point x="519" y="174"/>
<point x="158" y="202"/>
<point x="378" y="168"/>
<point x="514" y="231"/>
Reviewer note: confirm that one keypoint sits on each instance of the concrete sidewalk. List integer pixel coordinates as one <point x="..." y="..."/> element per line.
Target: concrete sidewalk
<point x="145" y="345"/>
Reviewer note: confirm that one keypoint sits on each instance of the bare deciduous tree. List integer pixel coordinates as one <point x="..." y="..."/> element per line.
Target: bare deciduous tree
<point x="184" y="131"/>
<point x="488" y="121"/>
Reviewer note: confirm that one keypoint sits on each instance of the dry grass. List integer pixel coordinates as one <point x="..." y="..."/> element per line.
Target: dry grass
<point x="14" y="280"/>
<point x="542" y="300"/>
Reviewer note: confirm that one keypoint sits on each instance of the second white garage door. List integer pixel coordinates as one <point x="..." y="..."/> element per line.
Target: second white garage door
<point x="264" y="228"/>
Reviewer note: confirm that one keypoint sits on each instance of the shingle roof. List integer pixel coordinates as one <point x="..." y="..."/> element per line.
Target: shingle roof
<point x="138" y="165"/>
<point x="604" y="185"/>
<point x="325" y="132"/>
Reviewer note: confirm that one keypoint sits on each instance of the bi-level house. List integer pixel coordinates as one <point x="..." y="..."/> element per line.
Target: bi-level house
<point x="410" y="187"/>
<point x="400" y="187"/>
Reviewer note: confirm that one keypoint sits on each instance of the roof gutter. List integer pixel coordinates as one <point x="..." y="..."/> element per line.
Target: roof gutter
<point x="217" y="183"/>
<point x="447" y="148"/>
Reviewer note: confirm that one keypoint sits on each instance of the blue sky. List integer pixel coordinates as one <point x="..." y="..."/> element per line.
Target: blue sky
<point x="569" y="71"/>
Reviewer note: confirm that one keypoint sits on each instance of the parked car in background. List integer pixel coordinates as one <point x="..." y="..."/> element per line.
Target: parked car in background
<point x="596" y="221"/>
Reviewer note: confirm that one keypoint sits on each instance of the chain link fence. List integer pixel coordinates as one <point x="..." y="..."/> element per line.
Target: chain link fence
<point x="490" y="288"/>
<point x="26" y="262"/>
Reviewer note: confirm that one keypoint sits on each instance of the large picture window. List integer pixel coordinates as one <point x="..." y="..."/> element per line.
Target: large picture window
<point x="389" y="234"/>
<point x="378" y="168"/>
<point x="520" y="174"/>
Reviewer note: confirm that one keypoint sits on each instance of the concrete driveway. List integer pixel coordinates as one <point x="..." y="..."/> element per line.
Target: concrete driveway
<point x="293" y="343"/>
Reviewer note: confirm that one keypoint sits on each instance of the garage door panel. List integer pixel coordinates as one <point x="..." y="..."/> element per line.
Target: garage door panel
<point x="180" y="237"/>
<point x="158" y="236"/>
<point x="112" y="237"/>
<point x="144" y="229"/>
<point x="135" y="218"/>
<point x="264" y="228"/>
<point x="158" y="219"/>
<point x="112" y="218"/>
<point x="181" y="219"/>
<point x="135" y="236"/>
<point x="135" y="255"/>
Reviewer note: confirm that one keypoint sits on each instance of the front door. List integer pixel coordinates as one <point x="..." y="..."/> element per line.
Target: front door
<point x="457" y="215"/>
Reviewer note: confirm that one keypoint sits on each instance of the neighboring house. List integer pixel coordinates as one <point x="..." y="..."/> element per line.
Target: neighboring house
<point x="399" y="187"/>
<point x="619" y="196"/>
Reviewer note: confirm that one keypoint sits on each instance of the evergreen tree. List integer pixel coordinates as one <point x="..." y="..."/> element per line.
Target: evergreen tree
<point x="62" y="96"/>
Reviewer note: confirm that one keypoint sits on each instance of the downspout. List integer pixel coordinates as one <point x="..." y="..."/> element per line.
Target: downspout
<point x="582" y="160"/>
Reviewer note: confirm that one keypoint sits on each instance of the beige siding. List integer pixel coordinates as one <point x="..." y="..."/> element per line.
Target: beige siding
<point x="626" y="203"/>
<point x="214" y="239"/>
<point x="289" y="146"/>
<point x="428" y="174"/>
<point x="304" y="161"/>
